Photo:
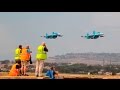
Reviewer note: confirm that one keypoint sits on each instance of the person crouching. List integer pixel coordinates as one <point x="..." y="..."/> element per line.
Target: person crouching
<point x="52" y="73"/>
<point x="15" y="70"/>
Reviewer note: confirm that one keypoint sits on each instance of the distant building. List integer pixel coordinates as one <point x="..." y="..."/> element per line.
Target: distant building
<point x="2" y="65"/>
<point x="100" y="73"/>
<point x="88" y="73"/>
<point x="108" y="73"/>
<point x="117" y="73"/>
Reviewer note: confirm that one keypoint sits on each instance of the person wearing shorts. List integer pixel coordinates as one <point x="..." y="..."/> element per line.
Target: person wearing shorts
<point x="25" y="57"/>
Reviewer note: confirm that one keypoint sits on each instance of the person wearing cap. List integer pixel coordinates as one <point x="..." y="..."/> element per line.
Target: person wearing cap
<point x="41" y="56"/>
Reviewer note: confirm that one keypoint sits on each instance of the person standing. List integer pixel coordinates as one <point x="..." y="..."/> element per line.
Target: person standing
<point x="41" y="56"/>
<point x="29" y="51"/>
<point x="18" y="52"/>
<point x="25" y="57"/>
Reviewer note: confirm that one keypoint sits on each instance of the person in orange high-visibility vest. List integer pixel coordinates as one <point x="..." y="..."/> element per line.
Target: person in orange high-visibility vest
<point x="25" y="57"/>
<point x="15" y="70"/>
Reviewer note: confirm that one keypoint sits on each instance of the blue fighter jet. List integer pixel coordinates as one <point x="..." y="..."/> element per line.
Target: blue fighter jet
<point x="93" y="35"/>
<point x="54" y="35"/>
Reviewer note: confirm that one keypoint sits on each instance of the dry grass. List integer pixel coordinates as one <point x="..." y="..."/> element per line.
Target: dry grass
<point x="82" y="76"/>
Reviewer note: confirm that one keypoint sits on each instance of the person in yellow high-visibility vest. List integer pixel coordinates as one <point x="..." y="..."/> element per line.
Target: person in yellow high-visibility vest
<point x="18" y="52"/>
<point x="40" y="57"/>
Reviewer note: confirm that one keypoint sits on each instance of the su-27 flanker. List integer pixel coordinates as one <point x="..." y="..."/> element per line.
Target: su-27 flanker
<point x="93" y="35"/>
<point x="54" y="35"/>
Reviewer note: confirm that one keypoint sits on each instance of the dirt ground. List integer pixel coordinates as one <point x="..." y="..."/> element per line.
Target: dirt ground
<point x="4" y="75"/>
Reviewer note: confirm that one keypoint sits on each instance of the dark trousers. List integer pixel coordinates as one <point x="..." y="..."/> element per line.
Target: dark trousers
<point x="18" y="60"/>
<point x="30" y="60"/>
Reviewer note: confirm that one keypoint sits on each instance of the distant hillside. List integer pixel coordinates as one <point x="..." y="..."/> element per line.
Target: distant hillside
<point x="88" y="58"/>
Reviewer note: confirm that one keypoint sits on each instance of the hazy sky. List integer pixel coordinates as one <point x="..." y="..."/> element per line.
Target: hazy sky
<point x="26" y="28"/>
